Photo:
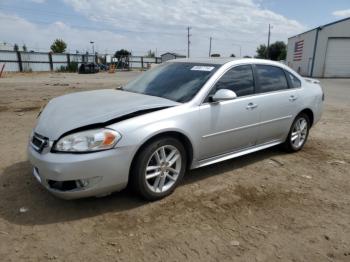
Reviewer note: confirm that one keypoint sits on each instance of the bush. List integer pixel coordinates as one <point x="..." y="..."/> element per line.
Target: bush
<point x="71" y="68"/>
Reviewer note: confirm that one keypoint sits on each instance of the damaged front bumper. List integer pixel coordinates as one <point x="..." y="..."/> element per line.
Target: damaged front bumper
<point x="70" y="176"/>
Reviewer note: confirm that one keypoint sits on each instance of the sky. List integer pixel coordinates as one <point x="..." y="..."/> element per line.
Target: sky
<point x="161" y="25"/>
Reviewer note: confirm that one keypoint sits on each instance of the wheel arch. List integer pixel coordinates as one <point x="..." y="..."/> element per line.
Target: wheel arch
<point x="309" y="113"/>
<point x="176" y="134"/>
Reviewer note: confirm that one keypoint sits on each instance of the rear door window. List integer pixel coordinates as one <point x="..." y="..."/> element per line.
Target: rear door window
<point x="271" y="78"/>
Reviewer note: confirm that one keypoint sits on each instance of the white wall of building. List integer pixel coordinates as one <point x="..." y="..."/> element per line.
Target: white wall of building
<point x="337" y="61"/>
<point x="303" y="67"/>
<point x="340" y="29"/>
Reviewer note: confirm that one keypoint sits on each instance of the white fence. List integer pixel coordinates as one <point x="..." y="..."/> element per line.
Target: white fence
<point x="143" y="62"/>
<point x="16" y="61"/>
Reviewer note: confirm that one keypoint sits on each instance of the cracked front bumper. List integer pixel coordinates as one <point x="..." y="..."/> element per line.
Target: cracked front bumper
<point x="103" y="172"/>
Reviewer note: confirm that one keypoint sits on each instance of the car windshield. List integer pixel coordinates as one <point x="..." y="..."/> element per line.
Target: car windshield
<point x="176" y="81"/>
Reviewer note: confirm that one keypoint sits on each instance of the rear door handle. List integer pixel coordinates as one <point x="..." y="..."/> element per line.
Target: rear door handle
<point x="251" y="106"/>
<point x="292" y="98"/>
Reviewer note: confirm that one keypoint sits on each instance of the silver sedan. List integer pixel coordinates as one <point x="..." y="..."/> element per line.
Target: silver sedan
<point x="183" y="114"/>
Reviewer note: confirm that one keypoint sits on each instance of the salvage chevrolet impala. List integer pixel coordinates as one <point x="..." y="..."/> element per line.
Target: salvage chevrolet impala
<point x="183" y="114"/>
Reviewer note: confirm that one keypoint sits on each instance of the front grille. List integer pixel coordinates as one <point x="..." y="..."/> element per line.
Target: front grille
<point x="39" y="142"/>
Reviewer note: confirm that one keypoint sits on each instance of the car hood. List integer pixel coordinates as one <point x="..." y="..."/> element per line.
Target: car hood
<point x="72" y="111"/>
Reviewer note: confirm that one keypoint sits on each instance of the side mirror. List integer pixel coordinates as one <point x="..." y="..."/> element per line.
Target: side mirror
<point x="223" y="95"/>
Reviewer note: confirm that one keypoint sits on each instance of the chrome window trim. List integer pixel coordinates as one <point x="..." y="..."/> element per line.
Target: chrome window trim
<point x="257" y="94"/>
<point x="203" y="102"/>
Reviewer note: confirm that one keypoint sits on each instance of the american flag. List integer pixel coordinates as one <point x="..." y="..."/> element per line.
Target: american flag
<point x="298" y="50"/>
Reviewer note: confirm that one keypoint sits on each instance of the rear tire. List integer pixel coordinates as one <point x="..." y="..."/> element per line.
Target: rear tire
<point x="298" y="133"/>
<point x="158" y="168"/>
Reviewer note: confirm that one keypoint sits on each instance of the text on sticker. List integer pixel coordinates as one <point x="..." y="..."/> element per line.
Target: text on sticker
<point x="202" y="68"/>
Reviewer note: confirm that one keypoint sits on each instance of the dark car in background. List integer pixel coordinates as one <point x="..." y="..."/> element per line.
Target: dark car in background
<point x="88" y="68"/>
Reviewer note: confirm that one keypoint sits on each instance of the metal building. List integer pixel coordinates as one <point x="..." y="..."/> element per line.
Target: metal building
<point x="323" y="51"/>
<point x="169" y="56"/>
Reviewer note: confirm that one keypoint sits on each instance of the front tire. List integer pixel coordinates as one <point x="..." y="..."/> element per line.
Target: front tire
<point x="298" y="133"/>
<point x="158" y="168"/>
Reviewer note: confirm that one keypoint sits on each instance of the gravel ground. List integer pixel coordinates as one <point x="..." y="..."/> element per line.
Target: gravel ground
<point x="267" y="206"/>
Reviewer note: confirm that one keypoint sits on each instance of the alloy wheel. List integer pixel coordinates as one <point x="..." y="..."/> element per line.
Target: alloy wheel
<point x="299" y="133"/>
<point x="163" y="169"/>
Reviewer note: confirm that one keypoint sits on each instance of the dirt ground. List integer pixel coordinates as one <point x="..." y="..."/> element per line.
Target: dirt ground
<point x="267" y="206"/>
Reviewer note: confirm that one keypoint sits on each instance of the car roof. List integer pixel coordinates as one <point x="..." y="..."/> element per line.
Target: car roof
<point x="224" y="60"/>
<point x="216" y="61"/>
<point x="233" y="61"/>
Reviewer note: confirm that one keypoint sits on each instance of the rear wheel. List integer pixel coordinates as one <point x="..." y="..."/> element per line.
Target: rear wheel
<point x="298" y="133"/>
<point x="158" y="168"/>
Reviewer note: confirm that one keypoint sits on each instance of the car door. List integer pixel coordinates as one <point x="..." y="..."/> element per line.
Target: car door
<point x="278" y="101"/>
<point x="229" y="126"/>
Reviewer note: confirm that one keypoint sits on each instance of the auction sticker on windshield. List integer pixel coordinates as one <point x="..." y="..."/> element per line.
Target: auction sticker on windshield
<point x="202" y="68"/>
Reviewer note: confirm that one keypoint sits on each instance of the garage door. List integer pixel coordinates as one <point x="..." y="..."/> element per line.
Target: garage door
<point x="337" y="62"/>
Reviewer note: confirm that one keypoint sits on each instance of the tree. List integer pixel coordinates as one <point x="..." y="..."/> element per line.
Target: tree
<point x="15" y="48"/>
<point x="261" y="51"/>
<point x="123" y="58"/>
<point x="277" y="51"/>
<point x="122" y="53"/>
<point x="24" y="47"/>
<point x="232" y="55"/>
<point x="58" y="46"/>
<point x="150" y="54"/>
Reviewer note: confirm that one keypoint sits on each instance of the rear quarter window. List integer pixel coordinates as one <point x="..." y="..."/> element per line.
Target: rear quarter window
<point x="296" y="83"/>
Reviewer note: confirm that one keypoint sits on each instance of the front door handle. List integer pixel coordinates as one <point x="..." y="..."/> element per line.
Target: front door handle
<point x="292" y="98"/>
<point x="251" y="106"/>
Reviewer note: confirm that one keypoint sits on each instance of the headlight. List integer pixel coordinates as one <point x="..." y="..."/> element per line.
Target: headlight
<point x="88" y="141"/>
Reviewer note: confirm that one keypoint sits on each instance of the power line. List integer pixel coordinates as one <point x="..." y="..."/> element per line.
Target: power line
<point x="36" y="11"/>
<point x="45" y="22"/>
<point x="103" y="19"/>
<point x="115" y="29"/>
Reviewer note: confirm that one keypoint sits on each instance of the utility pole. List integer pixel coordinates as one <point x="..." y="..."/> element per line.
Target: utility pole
<point x="188" y="41"/>
<point x="210" y="45"/>
<point x="268" y="43"/>
<point x="93" y="47"/>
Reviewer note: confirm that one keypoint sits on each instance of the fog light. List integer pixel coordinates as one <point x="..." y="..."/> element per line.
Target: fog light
<point x="82" y="183"/>
<point x="87" y="182"/>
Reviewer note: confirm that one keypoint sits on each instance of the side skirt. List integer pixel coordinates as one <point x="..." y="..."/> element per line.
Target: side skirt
<point x="230" y="155"/>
